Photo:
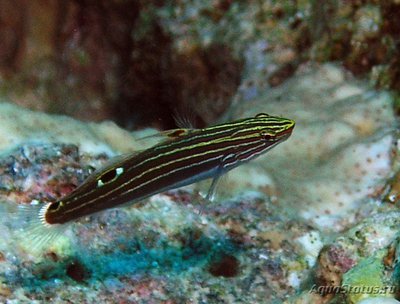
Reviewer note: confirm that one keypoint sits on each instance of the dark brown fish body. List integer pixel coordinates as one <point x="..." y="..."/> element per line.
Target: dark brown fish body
<point x="196" y="155"/>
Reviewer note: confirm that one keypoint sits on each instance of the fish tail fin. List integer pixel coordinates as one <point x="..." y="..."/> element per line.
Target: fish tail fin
<point x="34" y="234"/>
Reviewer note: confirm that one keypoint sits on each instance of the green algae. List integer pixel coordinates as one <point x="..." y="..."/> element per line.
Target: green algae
<point x="366" y="278"/>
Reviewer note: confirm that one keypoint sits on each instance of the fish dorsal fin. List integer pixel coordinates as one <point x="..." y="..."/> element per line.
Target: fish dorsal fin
<point x="169" y="134"/>
<point x="184" y="121"/>
<point x="176" y="133"/>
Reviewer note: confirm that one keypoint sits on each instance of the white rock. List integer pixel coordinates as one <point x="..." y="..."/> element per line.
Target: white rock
<point x="378" y="300"/>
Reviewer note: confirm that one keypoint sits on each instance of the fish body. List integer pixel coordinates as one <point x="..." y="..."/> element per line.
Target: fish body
<point x="186" y="157"/>
<point x="189" y="157"/>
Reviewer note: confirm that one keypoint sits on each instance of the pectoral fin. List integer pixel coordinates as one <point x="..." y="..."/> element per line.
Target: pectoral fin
<point x="213" y="188"/>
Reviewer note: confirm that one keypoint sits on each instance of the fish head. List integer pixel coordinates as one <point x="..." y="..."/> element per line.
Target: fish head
<point x="272" y="129"/>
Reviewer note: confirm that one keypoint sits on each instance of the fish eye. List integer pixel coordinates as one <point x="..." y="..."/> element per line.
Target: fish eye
<point x="109" y="176"/>
<point x="261" y="115"/>
<point x="268" y="135"/>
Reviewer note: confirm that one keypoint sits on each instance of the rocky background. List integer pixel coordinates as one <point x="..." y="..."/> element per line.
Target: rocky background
<point x="313" y="221"/>
<point x="138" y="62"/>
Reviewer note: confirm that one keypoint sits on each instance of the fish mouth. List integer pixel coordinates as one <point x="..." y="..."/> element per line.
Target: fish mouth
<point x="285" y="134"/>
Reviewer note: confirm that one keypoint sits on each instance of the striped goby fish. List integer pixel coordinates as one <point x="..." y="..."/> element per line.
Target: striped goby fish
<point x="188" y="156"/>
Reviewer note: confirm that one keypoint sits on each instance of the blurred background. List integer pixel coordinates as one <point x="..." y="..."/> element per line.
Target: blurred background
<point x="138" y="62"/>
<point x="320" y="210"/>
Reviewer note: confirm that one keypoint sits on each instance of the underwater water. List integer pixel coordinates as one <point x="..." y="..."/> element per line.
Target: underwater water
<point x="199" y="152"/>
